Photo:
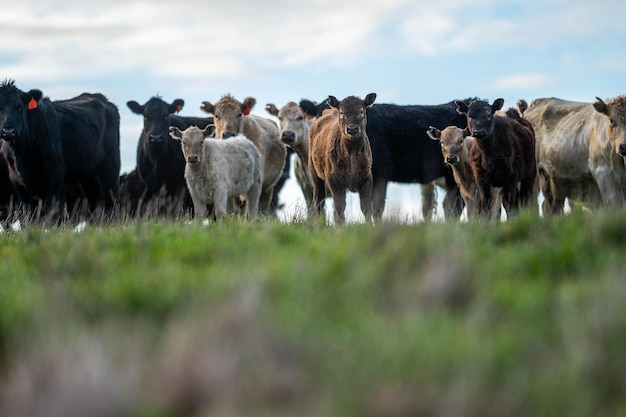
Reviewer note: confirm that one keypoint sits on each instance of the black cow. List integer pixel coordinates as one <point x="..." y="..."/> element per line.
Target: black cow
<point x="403" y="152"/>
<point x="61" y="151"/>
<point x="160" y="163"/>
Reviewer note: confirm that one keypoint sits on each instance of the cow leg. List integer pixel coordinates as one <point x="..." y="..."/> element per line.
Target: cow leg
<point x="510" y="200"/>
<point x="379" y="194"/>
<point x="453" y="203"/>
<point x="253" y="196"/>
<point x="610" y="188"/>
<point x="108" y="180"/>
<point x="220" y="204"/>
<point x="319" y="195"/>
<point x="265" y="200"/>
<point x="365" y="199"/>
<point x="339" y="202"/>
<point x="428" y="200"/>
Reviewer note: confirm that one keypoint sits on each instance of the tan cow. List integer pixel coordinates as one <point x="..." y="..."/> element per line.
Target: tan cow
<point x="294" y="132"/>
<point x="340" y="156"/>
<point x="581" y="151"/>
<point x="455" y="147"/>
<point x="233" y="118"/>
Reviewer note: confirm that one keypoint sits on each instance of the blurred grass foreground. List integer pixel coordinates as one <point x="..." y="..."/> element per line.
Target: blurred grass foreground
<point x="522" y="318"/>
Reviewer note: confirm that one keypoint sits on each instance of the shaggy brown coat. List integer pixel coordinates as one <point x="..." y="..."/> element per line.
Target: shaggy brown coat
<point x="504" y="155"/>
<point x="340" y="156"/>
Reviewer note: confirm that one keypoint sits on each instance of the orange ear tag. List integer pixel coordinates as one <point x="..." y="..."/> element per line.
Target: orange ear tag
<point x="32" y="104"/>
<point x="178" y="108"/>
<point x="246" y="111"/>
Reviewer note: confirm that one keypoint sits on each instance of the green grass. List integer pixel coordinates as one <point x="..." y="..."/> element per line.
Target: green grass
<point x="152" y="318"/>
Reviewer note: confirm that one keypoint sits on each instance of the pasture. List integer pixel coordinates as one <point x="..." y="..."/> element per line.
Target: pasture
<point x="298" y="318"/>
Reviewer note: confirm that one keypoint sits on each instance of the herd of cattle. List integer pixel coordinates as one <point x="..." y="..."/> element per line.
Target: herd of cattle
<point x="62" y="158"/>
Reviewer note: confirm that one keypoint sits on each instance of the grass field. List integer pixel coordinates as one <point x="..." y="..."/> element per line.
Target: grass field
<point x="522" y="318"/>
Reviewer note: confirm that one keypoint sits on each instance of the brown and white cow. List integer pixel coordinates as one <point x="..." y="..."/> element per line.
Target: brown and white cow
<point x="340" y="156"/>
<point x="581" y="151"/>
<point x="233" y="118"/>
<point x="456" y="147"/>
<point x="294" y="132"/>
<point x="504" y="155"/>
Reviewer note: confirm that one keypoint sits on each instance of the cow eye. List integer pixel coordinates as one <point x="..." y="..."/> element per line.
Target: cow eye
<point x="613" y="123"/>
<point x="299" y="118"/>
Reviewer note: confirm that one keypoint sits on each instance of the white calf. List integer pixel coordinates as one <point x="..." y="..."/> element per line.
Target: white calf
<point x="218" y="171"/>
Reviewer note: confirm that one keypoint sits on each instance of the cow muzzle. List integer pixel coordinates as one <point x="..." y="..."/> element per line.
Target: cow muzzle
<point x="452" y="159"/>
<point x="228" y="134"/>
<point x="288" y="137"/>
<point x="479" y="133"/>
<point x="193" y="159"/>
<point x="8" y="134"/>
<point x="622" y="149"/>
<point x="353" y="130"/>
<point x="155" y="139"/>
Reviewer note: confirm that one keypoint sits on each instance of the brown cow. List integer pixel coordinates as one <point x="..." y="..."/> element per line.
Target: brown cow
<point x="340" y="156"/>
<point x="581" y="151"/>
<point x="504" y="155"/>
<point x="232" y="118"/>
<point x="456" y="147"/>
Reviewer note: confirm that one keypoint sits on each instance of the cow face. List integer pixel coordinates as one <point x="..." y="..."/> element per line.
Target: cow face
<point x="191" y="140"/>
<point x="452" y="141"/>
<point x="156" y="118"/>
<point x="615" y="111"/>
<point x="352" y="115"/>
<point x="294" y="124"/>
<point x="14" y="108"/>
<point x="480" y="116"/>
<point x="228" y="115"/>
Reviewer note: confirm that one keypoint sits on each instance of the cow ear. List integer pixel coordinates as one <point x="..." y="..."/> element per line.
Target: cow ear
<point x="497" y="105"/>
<point x="175" y="133"/>
<point x="434" y="133"/>
<point x="135" y="107"/>
<point x="601" y="106"/>
<point x="247" y="105"/>
<point x="176" y="106"/>
<point x="369" y="99"/>
<point x="209" y="130"/>
<point x="207" y="107"/>
<point x="308" y="107"/>
<point x="332" y="102"/>
<point x="461" y="107"/>
<point x="271" y="109"/>
<point x="32" y="98"/>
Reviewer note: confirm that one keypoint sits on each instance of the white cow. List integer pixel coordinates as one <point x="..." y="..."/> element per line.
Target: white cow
<point x="219" y="171"/>
<point x="581" y="151"/>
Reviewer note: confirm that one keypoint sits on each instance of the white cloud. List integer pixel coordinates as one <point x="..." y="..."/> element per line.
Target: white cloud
<point x="522" y="81"/>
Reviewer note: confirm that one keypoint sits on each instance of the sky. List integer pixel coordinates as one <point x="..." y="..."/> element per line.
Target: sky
<point x="406" y="51"/>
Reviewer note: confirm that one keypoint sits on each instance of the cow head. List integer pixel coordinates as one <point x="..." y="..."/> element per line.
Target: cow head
<point x="15" y="106"/>
<point x="228" y="115"/>
<point x="294" y="124"/>
<point x="352" y="114"/>
<point x="615" y="111"/>
<point x="191" y="140"/>
<point x="452" y="141"/>
<point x="480" y="116"/>
<point x="156" y="118"/>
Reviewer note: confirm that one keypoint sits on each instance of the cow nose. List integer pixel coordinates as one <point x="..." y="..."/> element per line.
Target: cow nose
<point x="479" y="133"/>
<point x="8" y="133"/>
<point x="352" y="129"/>
<point x="288" y="136"/>
<point x="452" y="159"/>
<point x="228" y="134"/>
<point x="155" y="139"/>
<point x="622" y="149"/>
<point x="193" y="159"/>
